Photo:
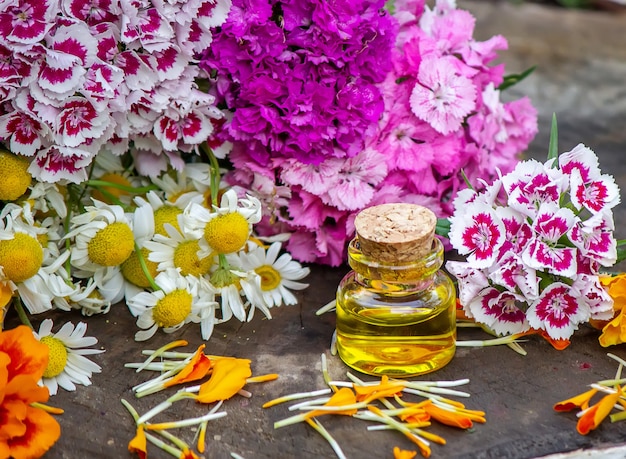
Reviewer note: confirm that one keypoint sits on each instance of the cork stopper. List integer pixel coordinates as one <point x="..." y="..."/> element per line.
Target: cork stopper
<point x="397" y="232"/>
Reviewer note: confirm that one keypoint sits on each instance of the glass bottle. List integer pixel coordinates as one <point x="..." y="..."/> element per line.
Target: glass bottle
<point x="396" y="310"/>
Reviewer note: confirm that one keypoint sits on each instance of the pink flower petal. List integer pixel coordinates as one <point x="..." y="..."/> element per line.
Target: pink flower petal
<point x="500" y="311"/>
<point x="479" y="233"/>
<point x="557" y="311"/>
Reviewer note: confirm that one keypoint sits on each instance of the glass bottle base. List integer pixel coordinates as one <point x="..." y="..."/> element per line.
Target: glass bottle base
<point x="396" y="357"/>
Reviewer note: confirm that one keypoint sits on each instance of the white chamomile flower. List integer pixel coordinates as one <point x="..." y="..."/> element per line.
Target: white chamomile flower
<point x="67" y="365"/>
<point x="227" y="228"/>
<point x="46" y="196"/>
<point x="176" y="303"/>
<point x="163" y="211"/>
<point x="278" y="275"/>
<point x="191" y="184"/>
<point x="132" y="269"/>
<point x="179" y="250"/>
<point x="25" y="266"/>
<point x="103" y="237"/>
<point x="103" y="240"/>
<point x="204" y="315"/>
<point x="85" y="298"/>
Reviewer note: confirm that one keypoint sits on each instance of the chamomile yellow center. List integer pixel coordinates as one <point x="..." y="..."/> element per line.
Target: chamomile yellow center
<point x="166" y="214"/>
<point x="20" y="257"/>
<point x="15" y="176"/>
<point x="112" y="245"/>
<point x="186" y="258"/>
<point x="132" y="271"/>
<point x="227" y="233"/>
<point x="106" y="193"/>
<point x="172" y="309"/>
<point x="43" y="239"/>
<point x="57" y="357"/>
<point x="270" y="278"/>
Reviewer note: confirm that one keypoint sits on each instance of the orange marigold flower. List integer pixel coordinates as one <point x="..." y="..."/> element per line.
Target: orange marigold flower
<point x="614" y="330"/>
<point x="25" y="431"/>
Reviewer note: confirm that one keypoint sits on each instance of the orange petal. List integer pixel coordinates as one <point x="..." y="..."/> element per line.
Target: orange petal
<point x="343" y="397"/>
<point x="42" y="431"/>
<point x="197" y="368"/>
<point x="578" y="401"/>
<point x="614" y="332"/>
<point x="450" y="418"/>
<point x="28" y="355"/>
<point x="594" y="416"/>
<point x="188" y="454"/>
<point x="376" y="392"/>
<point x="138" y="444"/>
<point x="403" y="453"/>
<point x="228" y="377"/>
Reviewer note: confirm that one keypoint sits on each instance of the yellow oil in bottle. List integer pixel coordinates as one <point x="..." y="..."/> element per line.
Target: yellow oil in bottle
<point x="396" y="310"/>
<point x="399" y="334"/>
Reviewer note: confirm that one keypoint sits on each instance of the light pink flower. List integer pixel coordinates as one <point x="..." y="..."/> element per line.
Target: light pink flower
<point x="355" y="181"/>
<point x="442" y="97"/>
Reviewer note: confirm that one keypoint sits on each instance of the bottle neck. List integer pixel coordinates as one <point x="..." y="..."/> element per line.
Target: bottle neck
<point x="415" y="271"/>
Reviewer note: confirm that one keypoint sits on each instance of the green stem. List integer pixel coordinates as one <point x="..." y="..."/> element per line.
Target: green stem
<point x="215" y="175"/>
<point x="144" y="268"/>
<point x="131" y="189"/>
<point x="21" y="312"/>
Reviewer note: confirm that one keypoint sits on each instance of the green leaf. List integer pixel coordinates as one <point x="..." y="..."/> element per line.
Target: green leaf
<point x="621" y="255"/>
<point x="511" y="80"/>
<point x="443" y="227"/>
<point x="553" y="148"/>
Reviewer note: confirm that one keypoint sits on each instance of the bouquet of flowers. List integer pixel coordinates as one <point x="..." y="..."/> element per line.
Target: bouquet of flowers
<point x="333" y="108"/>
<point x="535" y="240"/>
<point x="80" y="77"/>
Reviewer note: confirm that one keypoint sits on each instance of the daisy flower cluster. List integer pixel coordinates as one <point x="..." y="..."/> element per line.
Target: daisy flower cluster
<point x="535" y="240"/>
<point x="334" y="108"/>
<point x="176" y="248"/>
<point x="79" y="77"/>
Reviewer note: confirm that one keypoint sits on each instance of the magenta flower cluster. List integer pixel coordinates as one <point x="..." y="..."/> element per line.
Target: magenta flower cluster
<point x="535" y="240"/>
<point x="79" y="76"/>
<point x="338" y="106"/>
